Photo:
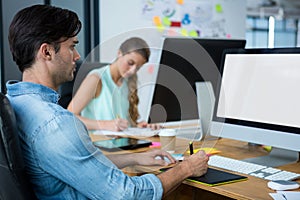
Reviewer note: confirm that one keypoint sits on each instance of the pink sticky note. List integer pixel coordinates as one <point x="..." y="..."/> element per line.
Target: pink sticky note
<point x="155" y="145"/>
<point x="150" y="69"/>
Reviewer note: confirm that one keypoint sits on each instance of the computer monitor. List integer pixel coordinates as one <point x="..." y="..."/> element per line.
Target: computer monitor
<point x="258" y="101"/>
<point x="183" y="62"/>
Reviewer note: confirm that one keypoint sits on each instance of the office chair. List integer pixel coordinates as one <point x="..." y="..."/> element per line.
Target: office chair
<point x="13" y="178"/>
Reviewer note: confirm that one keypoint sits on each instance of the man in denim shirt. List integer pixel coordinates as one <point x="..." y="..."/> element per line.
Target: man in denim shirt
<point x="61" y="160"/>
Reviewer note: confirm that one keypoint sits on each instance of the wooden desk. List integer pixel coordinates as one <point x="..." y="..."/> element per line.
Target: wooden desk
<point x="253" y="188"/>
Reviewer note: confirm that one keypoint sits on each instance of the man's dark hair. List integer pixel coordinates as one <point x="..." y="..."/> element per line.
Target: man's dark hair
<point x="38" y="24"/>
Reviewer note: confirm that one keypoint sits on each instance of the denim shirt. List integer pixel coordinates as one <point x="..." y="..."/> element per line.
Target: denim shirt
<point x="60" y="158"/>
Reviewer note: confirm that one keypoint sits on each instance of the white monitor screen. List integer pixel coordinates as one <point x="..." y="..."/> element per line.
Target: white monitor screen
<point x="258" y="97"/>
<point x="261" y="88"/>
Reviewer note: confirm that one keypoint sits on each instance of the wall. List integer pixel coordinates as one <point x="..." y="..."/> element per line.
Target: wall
<point x="122" y="19"/>
<point x="9" y="9"/>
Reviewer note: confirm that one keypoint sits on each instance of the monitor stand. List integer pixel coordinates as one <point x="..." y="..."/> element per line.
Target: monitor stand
<point x="205" y="105"/>
<point x="276" y="157"/>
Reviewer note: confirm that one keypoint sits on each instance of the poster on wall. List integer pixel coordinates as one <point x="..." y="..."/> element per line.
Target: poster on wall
<point x="194" y="18"/>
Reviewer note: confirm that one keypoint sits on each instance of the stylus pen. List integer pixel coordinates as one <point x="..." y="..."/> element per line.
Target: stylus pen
<point x="191" y="148"/>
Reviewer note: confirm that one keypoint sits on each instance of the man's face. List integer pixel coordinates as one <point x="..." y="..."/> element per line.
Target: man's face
<point x="64" y="61"/>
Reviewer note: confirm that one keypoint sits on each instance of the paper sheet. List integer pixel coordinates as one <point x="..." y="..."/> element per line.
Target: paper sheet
<point x="286" y="195"/>
<point x="139" y="132"/>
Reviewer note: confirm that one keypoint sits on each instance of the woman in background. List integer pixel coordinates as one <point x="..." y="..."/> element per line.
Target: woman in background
<point x="107" y="98"/>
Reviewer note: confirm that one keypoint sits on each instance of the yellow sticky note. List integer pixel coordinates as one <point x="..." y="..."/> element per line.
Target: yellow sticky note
<point x="193" y="33"/>
<point x="219" y="8"/>
<point x="207" y="150"/>
<point x="184" y="32"/>
<point x="267" y="148"/>
<point x="157" y="21"/>
<point x="180" y="1"/>
<point x="160" y="28"/>
<point x="166" y="21"/>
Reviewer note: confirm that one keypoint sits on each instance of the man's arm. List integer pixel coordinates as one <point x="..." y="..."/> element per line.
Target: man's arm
<point x="145" y="158"/>
<point x="195" y="165"/>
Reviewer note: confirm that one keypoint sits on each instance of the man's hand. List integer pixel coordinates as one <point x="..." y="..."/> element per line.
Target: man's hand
<point x="194" y="165"/>
<point x="155" y="157"/>
<point x="197" y="163"/>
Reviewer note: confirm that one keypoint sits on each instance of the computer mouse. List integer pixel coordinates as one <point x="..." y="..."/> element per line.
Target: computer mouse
<point x="283" y="185"/>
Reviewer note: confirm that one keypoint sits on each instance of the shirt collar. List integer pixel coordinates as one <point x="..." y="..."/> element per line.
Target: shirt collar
<point x="18" y="88"/>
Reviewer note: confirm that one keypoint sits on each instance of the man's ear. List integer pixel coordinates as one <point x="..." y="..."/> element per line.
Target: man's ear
<point x="45" y="51"/>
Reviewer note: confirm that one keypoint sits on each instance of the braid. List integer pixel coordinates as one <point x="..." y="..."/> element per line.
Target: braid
<point x="139" y="46"/>
<point x="133" y="100"/>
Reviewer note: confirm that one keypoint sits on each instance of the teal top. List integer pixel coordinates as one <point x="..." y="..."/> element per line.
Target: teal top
<point x="112" y="101"/>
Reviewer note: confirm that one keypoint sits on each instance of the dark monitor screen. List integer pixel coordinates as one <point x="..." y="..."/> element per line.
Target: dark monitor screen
<point x="183" y="62"/>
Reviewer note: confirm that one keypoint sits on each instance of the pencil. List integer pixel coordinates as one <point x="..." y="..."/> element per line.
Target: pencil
<point x="191" y="148"/>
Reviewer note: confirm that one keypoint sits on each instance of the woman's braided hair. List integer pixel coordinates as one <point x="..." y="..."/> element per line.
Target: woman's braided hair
<point x="139" y="46"/>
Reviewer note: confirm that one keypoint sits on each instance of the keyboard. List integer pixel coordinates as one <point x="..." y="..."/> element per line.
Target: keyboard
<point x="260" y="171"/>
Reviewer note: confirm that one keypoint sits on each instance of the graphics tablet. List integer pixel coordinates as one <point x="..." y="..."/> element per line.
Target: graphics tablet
<point x="215" y="177"/>
<point x="119" y="144"/>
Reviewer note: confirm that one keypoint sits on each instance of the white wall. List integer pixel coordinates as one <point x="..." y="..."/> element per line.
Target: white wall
<point x="9" y="9"/>
<point x="120" y="20"/>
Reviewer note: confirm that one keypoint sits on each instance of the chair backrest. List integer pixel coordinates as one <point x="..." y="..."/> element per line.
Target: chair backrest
<point x="14" y="183"/>
<point x="67" y="90"/>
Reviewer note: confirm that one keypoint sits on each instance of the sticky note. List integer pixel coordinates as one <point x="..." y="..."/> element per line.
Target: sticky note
<point x="155" y="145"/>
<point x="172" y="32"/>
<point x="150" y="69"/>
<point x="180" y="2"/>
<point x="166" y="21"/>
<point x="184" y="32"/>
<point x="175" y="24"/>
<point x="207" y="150"/>
<point x="219" y="8"/>
<point x="160" y="28"/>
<point x="193" y="33"/>
<point x="156" y="21"/>
<point x="267" y="148"/>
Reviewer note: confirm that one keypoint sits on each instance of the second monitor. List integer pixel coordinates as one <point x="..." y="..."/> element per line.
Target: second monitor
<point x="183" y="63"/>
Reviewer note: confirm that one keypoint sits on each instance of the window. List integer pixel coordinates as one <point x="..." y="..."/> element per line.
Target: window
<point x="285" y="32"/>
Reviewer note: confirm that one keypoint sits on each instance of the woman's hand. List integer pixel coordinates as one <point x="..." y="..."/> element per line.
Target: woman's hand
<point x="155" y="157"/>
<point x="116" y="125"/>
<point x="144" y="124"/>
